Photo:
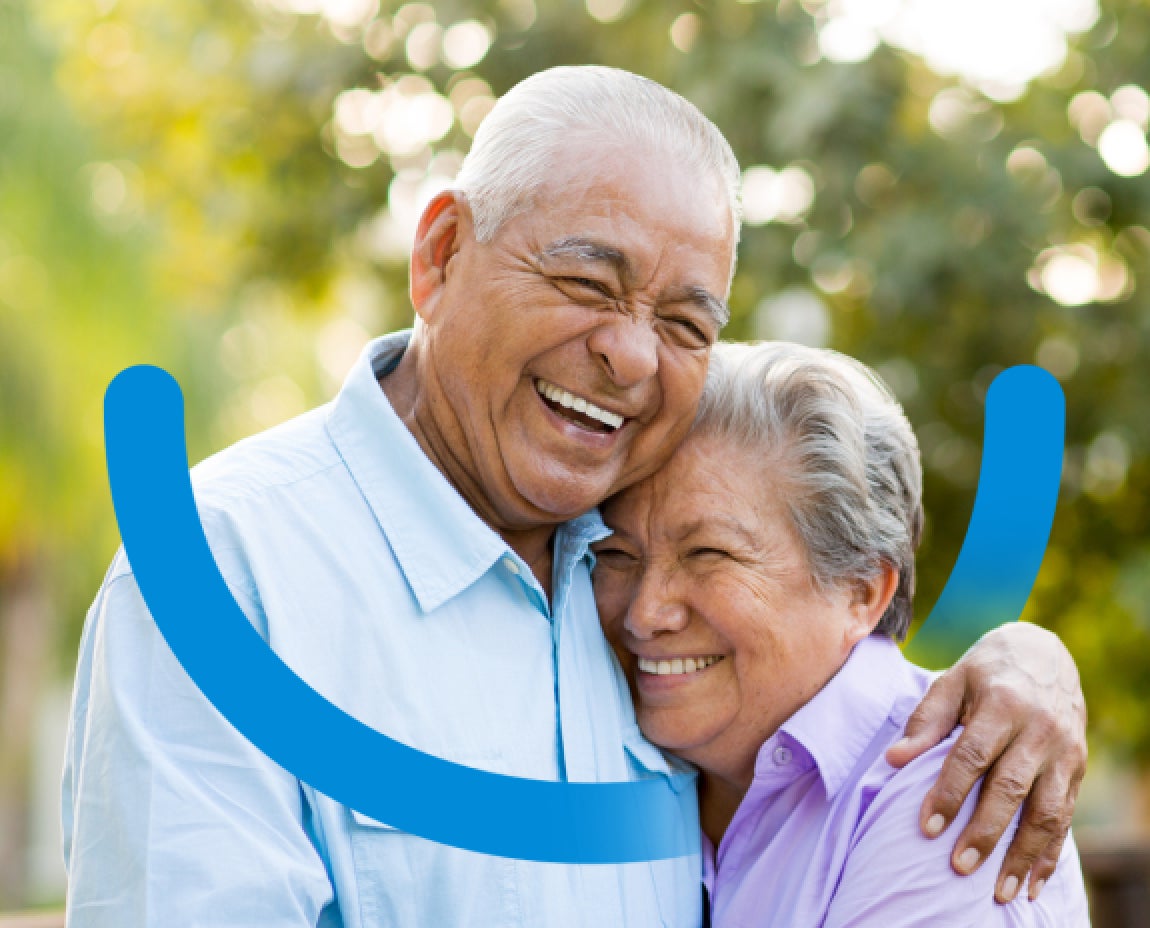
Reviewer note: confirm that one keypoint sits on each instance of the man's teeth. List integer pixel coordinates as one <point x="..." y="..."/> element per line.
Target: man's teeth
<point x="570" y="401"/>
<point x="678" y="665"/>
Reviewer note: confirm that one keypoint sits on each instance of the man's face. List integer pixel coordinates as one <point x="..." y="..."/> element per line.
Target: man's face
<point x="573" y="346"/>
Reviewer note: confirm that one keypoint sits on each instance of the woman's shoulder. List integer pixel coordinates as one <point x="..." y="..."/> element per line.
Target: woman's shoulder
<point x="888" y="838"/>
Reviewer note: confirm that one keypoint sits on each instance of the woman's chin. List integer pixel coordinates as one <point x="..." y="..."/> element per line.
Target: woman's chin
<point x="673" y="731"/>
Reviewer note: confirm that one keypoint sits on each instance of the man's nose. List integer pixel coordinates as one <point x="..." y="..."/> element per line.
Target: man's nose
<point x="657" y="608"/>
<point x="628" y="349"/>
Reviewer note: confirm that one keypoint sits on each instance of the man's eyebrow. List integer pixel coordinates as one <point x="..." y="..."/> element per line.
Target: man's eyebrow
<point x="587" y="249"/>
<point x="718" y="309"/>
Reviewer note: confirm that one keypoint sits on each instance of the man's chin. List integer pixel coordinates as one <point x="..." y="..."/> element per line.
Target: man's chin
<point x="566" y="497"/>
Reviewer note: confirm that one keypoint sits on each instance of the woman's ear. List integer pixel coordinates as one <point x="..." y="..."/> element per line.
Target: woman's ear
<point x="869" y="601"/>
<point x="440" y="233"/>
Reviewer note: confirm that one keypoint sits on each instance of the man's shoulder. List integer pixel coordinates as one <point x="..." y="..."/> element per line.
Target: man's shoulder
<point x="272" y="460"/>
<point x="254" y="488"/>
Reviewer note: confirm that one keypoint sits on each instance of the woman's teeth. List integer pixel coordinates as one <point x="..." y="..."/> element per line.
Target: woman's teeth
<point x="678" y="665"/>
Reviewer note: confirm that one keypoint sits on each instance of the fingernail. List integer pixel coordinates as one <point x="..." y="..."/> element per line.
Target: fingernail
<point x="935" y="824"/>
<point x="968" y="860"/>
<point x="900" y="744"/>
<point x="1037" y="889"/>
<point x="1009" y="888"/>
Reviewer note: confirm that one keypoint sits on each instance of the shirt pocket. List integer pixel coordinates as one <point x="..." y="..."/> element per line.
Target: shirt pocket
<point x="405" y="881"/>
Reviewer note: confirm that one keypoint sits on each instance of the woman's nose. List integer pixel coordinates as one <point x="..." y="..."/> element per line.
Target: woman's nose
<point x="658" y="607"/>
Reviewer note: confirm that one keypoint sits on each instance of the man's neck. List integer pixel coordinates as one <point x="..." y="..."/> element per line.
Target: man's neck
<point x="447" y="449"/>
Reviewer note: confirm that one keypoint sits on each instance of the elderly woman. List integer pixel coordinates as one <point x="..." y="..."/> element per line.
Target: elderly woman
<point x="754" y="591"/>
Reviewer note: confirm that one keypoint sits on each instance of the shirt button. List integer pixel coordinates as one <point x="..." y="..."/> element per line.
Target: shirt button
<point x="511" y="565"/>
<point x="782" y="755"/>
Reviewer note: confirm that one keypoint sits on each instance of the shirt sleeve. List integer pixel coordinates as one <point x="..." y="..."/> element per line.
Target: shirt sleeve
<point x="896" y="878"/>
<point x="171" y="817"/>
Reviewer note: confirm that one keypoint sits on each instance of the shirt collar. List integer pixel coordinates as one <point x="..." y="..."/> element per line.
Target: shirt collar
<point x="573" y="538"/>
<point x="840" y="722"/>
<point x="441" y="545"/>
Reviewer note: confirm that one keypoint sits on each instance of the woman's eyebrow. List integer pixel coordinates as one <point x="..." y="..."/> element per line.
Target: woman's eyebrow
<point x="711" y="523"/>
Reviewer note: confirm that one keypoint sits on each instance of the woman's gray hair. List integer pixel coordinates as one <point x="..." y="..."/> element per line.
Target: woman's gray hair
<point x="847" y="458"/>
<point x="517" y="144"/>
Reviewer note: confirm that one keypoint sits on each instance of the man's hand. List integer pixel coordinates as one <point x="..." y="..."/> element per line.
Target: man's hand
<point x="1018" y="695"/>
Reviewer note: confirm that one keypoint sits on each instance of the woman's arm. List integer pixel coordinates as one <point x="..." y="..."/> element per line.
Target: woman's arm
<point x="1018" y="694"/>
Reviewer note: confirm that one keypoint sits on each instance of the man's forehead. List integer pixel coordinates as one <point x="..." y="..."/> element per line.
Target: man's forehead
<point x="574" y="176"/>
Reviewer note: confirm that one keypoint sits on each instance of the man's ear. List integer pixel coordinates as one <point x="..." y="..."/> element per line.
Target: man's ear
<point x="869" y="601"/>
<point x="438" y="238"/>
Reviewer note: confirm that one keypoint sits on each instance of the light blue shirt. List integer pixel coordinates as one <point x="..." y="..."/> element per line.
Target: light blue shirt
<point x="373" y="579"/>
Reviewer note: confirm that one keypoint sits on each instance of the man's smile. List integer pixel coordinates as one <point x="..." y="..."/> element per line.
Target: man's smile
<point x="577" y="409"/>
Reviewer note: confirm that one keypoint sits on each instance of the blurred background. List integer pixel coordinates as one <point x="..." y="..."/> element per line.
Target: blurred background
<point x="942" y="188"/>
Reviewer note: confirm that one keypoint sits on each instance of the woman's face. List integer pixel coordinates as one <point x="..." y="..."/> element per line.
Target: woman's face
<point x="705" y="594"/>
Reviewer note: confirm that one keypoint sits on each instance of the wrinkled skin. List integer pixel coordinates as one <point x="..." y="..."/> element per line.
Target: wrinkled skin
<point x="704" y="564"/>
<point x="627" y="324"/>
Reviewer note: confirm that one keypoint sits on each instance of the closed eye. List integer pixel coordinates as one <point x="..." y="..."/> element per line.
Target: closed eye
<point x="689" y="331"/>
<point x="694" y="330"/>
<point x="703" y="552"/>
<point x="586" y="283"/>
<point x="614" y="557"/>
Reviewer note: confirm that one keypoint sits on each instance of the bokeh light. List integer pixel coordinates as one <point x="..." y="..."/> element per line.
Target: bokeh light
<point x="606" y="11"/>
<point x="998" y="46"/>
<point x="794" y="315"/>
<point x="1122" y="146"/>
<point x="465" y="44"/>
<point x="1077" y="274"/>
<point x="684" y="30"/>
<point x="769" y="195"/>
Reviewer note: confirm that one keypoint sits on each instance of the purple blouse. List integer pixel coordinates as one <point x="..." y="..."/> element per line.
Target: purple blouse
<point x="828" y="833"/>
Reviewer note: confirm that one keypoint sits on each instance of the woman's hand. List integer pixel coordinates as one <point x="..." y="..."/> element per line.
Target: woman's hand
<point x="1018" y="695"/>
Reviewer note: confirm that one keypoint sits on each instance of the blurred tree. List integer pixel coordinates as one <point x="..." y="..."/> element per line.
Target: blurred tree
<point x="264" y="165"/>
<point x="65" y="295"/>
<point x="73" y="311"/>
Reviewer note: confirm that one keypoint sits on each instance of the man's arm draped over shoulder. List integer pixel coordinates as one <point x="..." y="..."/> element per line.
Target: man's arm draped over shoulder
<point x="1018" y="695"/>
<point x="171" y="817"/>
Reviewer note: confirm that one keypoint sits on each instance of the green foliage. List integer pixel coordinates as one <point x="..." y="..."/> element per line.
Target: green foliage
<point x="249" y="255"/>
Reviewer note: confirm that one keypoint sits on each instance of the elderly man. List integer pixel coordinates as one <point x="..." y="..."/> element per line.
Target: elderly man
<point x="418" y="551"/>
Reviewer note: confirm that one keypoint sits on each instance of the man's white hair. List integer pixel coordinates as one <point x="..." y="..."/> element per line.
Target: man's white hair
<point x="534" y="123"/>
<point x="845" y="456"/>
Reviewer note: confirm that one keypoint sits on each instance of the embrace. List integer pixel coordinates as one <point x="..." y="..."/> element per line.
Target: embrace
<point x="554" y="531"/>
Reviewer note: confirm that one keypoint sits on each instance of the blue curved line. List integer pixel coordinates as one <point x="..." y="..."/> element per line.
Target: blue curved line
<point x="1013" y="511"/>
<point x="304" y="733"/>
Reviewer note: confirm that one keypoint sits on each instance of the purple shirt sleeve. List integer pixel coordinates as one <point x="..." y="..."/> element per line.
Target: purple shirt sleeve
<point x="896" y="878"/>
<point x="827" y="834"/>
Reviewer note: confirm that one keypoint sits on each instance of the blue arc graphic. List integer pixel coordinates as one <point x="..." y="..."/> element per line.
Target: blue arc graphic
<point x="1013" y="511"/>
<point x="461" y="806"/>
<point x="304" y="733"/>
